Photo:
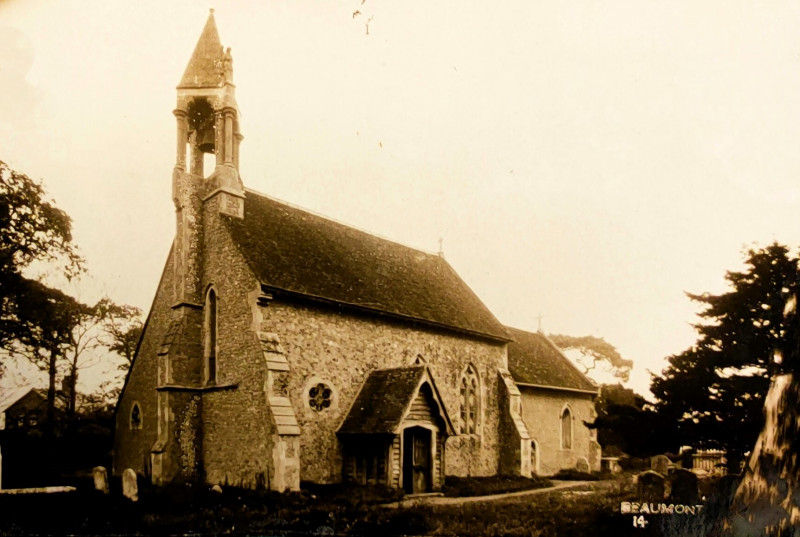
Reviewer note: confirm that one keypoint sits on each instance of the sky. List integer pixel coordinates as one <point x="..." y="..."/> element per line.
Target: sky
<point x="584" y="162"/>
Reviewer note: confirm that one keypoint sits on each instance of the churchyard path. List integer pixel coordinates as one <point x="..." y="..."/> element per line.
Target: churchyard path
<point x="432" y="499"/>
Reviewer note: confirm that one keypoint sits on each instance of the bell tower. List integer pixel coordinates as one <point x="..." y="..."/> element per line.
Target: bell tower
<point x="207" y="124"/>
<point x="208" y="121"/>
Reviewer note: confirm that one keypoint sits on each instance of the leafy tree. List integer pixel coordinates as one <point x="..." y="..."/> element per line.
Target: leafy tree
<point x="714" y="391"/>
<point x="124" y="328"/>
<point x="104" y="325"/>
<point x="44" y="321"/>
<point x="627" y="423"/>
<point x="31" y="229"/>
<point x="594" y="352"/>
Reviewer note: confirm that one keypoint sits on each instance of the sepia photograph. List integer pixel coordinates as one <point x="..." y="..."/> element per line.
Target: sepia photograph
<point x="358" y="267"/>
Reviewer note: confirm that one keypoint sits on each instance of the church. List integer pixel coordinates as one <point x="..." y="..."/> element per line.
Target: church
<point x="282" y="346"/>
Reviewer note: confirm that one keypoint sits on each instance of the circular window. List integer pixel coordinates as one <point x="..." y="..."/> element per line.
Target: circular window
<point x="319" y="397"/>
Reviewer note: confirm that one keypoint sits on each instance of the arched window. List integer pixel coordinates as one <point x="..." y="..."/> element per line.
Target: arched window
<point x="470" y="401"/>
<point x="210" y="351"/>
<point x="566" y="428"/>
<point x="136" y="417"/>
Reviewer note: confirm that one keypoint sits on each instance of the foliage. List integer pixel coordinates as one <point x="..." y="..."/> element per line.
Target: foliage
<point x="715" y="390"/>
<point x="571" y="474"/>
<point x="595" y="351"/>
<point x="32" y="229"/>
<point x="123" y="327"/>
<point x="484" y="486"/>
<point x="626" y="423"/>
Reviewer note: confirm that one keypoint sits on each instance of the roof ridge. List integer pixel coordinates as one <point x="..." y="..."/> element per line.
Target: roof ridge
<point x="345" y="224"/>
<point x="561" y="352"/>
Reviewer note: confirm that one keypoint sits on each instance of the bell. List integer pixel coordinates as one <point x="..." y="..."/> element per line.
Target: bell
<point x="207" y="142"/>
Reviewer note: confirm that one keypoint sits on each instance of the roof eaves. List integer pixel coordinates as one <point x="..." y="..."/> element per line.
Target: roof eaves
<point x="380" y="312"/>
<point x="556" y="388"/>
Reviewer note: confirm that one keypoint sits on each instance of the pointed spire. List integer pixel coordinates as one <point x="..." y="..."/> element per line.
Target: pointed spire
<point x="206" y="68"/>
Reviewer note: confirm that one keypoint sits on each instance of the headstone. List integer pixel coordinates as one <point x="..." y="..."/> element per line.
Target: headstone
<point x="660" y="464"/>
<point x="100" y="479"/>
<point x="582" y="465"/>
<point x="130" y="487"/>
<point x="216" y="489"/>
<point x="683" y="487"/>
<point x="651" y="485"/>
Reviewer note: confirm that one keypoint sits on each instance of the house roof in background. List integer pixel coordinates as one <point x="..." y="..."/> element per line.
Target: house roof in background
<point x="11" y="395"/>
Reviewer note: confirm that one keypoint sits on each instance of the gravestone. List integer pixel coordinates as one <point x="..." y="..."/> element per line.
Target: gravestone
<point x="100" y="479"/>
<point x="130" y="487"/>
<point x="651" y="485"/>
<point x="582" y="465"/>
<point x="683" y="487"/>
<point x="660" y="464"/>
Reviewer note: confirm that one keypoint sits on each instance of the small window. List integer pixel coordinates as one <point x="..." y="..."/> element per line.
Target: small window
<point x="566" y="429"/>
<point x="419" y="360"/>
<point x="319" y="397"/>
<point x="211" y="337"/>
<point x="136" y="417"/>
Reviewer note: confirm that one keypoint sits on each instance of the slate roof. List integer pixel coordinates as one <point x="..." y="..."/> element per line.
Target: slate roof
<point x="203" y="68"/>
<point x="381" y="404"/>
<point x="534" y="359"/>
<point x="293" y="250"/>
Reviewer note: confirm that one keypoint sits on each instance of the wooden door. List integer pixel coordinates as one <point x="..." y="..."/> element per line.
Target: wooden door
<point x="417" y="462"/>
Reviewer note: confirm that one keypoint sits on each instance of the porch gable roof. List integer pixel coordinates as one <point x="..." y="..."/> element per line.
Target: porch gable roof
<point x="383" y="401"/>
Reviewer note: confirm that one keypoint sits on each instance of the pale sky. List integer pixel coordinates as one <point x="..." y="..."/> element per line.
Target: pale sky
<point x="587" y="161"/>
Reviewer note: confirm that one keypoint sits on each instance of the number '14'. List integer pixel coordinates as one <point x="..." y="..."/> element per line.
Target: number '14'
<point x="639" y="521"/>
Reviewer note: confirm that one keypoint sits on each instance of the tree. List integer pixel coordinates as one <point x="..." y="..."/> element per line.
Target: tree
<point x="124" y="328"/>
<point x="594" y="352"/>
<point x="627" y="423"/>
<point x="44" y="321"/>
<point x="31" y="229"/>
<point x="106" y="324"/>
<point x="714" y="391"/>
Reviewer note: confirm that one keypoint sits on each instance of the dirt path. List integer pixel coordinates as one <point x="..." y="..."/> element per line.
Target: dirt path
<point x="441" y="500"/>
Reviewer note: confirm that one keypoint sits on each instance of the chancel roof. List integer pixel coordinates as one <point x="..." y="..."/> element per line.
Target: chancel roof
<point x="293" y="250"/>
<point x="534" y="359"/>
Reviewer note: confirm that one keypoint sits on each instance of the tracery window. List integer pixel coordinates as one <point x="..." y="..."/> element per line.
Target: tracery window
<point x="470" y="401"/>
<point x="319" y="397"/>
<point x="566" y="428"/>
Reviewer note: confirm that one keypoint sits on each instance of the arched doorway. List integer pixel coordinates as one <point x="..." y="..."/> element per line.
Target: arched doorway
<point x="417" y="463"/>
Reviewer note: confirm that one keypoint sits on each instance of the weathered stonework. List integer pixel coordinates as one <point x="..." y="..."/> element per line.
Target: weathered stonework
<point x="321" y="343"/>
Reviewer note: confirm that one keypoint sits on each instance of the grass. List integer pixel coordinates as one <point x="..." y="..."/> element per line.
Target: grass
<point x="484" y="486"/>
<point x="592" y="509"/>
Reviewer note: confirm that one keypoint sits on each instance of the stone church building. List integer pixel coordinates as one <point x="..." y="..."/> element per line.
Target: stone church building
<point x="283" y="347"/>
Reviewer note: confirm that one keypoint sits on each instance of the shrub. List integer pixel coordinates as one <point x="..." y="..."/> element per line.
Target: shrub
<point x="571" y="474"/>
<point x="483" y="486"/>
